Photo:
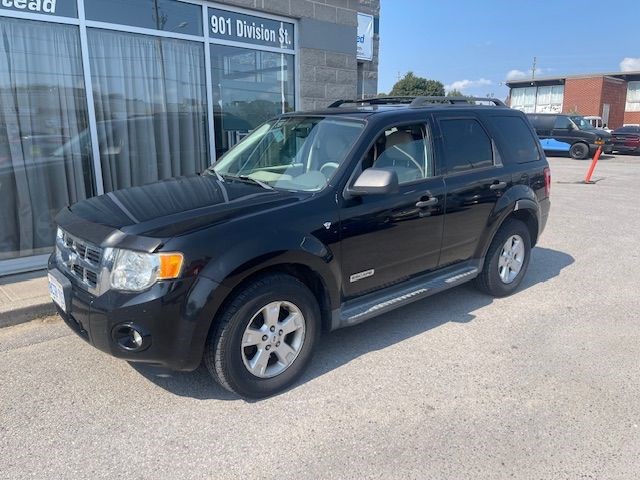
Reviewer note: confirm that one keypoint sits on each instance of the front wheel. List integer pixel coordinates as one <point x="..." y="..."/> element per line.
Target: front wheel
<point x="507" y="260"/>
<point x="579" y="151"/>
<point x="264" y="338"/>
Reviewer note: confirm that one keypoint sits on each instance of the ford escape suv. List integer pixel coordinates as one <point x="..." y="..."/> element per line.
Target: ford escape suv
<point x="315" y="221"/>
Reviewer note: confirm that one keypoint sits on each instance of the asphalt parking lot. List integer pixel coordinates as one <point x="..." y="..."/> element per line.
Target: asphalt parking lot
<point x="541" y="385"/>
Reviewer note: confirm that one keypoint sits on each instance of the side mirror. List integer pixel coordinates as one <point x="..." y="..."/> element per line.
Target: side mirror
<point x="375" y="181"/>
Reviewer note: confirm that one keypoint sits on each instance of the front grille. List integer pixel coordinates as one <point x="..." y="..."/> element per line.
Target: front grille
<point x="79" y="258"/>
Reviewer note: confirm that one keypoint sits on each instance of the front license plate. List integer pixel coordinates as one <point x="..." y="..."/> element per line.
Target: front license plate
<point x="57" y="293"/>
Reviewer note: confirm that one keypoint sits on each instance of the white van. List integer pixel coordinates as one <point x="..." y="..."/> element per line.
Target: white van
<point x="596" y="122"/>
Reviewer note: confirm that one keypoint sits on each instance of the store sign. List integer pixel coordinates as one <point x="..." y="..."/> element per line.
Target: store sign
<point x="64" y="8"/>
<point x="33" y="6"/>
<point x="244" y="28"/>
<point x="364" y="40"/>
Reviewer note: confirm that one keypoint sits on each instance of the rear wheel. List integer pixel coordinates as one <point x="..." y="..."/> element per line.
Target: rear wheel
<point x="265" y="337"/>
<point x="507" y="260"/>
<point x="579" y="151"/>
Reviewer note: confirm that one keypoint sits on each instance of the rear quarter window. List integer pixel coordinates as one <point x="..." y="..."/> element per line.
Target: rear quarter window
<point x="517" y="142"/>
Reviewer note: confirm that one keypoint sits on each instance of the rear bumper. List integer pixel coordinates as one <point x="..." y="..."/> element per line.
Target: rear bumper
<point x="171" y="316"/>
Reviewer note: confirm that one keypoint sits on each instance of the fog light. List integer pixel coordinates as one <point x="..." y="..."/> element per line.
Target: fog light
<point x="130" y="337"/>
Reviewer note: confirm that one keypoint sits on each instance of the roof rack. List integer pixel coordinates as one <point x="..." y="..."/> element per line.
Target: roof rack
<point x="417" y="101"/>
<point x="373" y="101"/>
<point x="420" y="101"/>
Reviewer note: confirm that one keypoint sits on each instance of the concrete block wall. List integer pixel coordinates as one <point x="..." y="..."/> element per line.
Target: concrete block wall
<point x="327" y="66"/>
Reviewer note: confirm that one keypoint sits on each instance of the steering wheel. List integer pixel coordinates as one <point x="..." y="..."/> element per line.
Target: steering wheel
<point x="331" y="166"/>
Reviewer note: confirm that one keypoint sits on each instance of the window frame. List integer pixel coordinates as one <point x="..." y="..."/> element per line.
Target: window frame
<point x="496" y="159"/>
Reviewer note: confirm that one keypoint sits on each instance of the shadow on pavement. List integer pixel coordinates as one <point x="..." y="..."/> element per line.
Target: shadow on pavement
<point x="342" y="346"/>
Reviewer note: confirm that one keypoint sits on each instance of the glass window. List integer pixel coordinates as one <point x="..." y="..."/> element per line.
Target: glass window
<point x="150" y="103"/>
<point x="562" y="123"/>
<point x="42" y="107"/>
<point x="293" y="153"/>
<point x="168" y="15"/>
<point x="516" y="139"/>
<point x="523" y="98"/>
<point x="249" y="87"/>
<point x="466" y="145"/>
<point x="404" y="149"/>
<point x="62" y="8"/>
<point x="633" y="97"/>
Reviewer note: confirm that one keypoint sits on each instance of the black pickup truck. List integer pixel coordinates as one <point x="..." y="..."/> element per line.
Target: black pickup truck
<point x="315" y="221"/>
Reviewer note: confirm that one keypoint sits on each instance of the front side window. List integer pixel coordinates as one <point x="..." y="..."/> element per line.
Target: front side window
<point x="292" y="153"/>
<point x="466" y="145"/>
<point x="581" y="122"/>
<point x="404" y="149"/>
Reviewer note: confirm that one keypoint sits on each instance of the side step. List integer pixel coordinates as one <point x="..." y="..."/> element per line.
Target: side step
<point x="373" y="304"/>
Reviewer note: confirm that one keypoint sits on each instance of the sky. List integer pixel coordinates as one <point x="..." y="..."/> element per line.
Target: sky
<point x="475" y="46"/>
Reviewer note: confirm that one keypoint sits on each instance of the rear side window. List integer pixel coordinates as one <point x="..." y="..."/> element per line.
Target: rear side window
<point x="517" y="142"/>
<point x="466" y="144"/>
<point x="562" y="123"/>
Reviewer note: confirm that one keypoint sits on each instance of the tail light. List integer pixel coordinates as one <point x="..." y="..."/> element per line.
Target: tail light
<point x="547" y="181"/>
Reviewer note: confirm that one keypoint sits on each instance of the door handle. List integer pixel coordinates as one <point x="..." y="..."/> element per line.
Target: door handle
<point x="498" y="185"/>
<point x="427" y="203"/>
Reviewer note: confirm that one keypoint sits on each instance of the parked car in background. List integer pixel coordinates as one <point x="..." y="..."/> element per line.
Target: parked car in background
<point x="627" y="139"/>
<point x="597" y="122"/>
<point x="569" y="133"/>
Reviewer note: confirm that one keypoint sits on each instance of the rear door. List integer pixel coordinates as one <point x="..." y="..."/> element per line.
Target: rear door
<point x="474" y="180"/>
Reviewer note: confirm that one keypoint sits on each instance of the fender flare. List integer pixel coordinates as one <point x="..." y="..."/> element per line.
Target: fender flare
<point x="517" y="198"/>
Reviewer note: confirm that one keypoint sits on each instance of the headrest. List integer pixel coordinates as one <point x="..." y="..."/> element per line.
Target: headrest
<point x="399" y="137"/>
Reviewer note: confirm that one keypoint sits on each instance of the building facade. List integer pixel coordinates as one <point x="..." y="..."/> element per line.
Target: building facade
<point x="99" y="95"/>
<point x="615" y="96"/>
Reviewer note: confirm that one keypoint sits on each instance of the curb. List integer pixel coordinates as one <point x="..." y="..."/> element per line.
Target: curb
<point x="27" y="313"/>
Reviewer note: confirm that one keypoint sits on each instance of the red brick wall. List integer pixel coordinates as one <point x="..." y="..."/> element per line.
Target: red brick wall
<point x="587" y="96"/>
<point x="583" y="95"/>
<point x="614" y="92"/>
<point x="632" y="117"/>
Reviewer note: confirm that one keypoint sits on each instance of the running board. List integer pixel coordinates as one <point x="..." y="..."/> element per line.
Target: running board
<point x="373" y="304"/>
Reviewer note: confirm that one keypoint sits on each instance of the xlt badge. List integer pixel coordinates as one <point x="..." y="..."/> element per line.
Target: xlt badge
<point x="359" y="276"/>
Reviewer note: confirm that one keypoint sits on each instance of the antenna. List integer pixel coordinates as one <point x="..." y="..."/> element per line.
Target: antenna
<point x="533" y="68"/>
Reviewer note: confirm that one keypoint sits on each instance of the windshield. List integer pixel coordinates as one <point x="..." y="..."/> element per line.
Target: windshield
<point x="292" y="153"/>
<point x="581" y="123"/>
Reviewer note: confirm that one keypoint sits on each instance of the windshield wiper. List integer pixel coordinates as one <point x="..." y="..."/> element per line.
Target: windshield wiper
<point x="253" y="180"/>
<point x="211" y="171"/>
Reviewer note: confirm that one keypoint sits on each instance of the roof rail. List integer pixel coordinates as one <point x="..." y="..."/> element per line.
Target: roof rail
<point x="422" y="100"/>
<point x="374" y="101"/>
<point x="417" y="101"/>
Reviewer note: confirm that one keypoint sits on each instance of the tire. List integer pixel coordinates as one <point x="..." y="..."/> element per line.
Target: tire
<point x="491" y="279"/>
<point x="579" y="151"/>
<point x="247" y="319"/>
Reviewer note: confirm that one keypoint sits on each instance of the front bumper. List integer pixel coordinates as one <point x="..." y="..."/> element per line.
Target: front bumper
<point x="172" y="316"/>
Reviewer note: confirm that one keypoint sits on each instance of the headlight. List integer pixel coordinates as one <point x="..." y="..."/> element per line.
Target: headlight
<point x="136" y="271"/>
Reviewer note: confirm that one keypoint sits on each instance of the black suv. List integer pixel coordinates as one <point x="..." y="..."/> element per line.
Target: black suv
<point x="315" y="221"/>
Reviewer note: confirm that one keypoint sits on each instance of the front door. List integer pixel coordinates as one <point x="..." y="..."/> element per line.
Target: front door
<point x="389" y="238"/>
<point x="474" y="181"/>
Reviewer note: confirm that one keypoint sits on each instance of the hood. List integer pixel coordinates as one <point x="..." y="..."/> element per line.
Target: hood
<point x="177" y="205"/>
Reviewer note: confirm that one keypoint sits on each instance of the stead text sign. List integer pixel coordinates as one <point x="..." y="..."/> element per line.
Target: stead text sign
<point x="244" y="28"/>
<point x="34" y="6"/>
<point x="364" y="39"/>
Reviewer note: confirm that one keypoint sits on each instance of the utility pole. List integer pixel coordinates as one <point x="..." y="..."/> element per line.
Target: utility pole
<point x="533" y="69"/>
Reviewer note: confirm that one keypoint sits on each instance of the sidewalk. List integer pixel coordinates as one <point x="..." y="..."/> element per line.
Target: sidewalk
<point x="24" y="297"/>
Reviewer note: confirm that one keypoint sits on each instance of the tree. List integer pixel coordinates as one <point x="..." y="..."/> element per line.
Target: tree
<point x="455" y="93"/>
<point x="411" y="85"/>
